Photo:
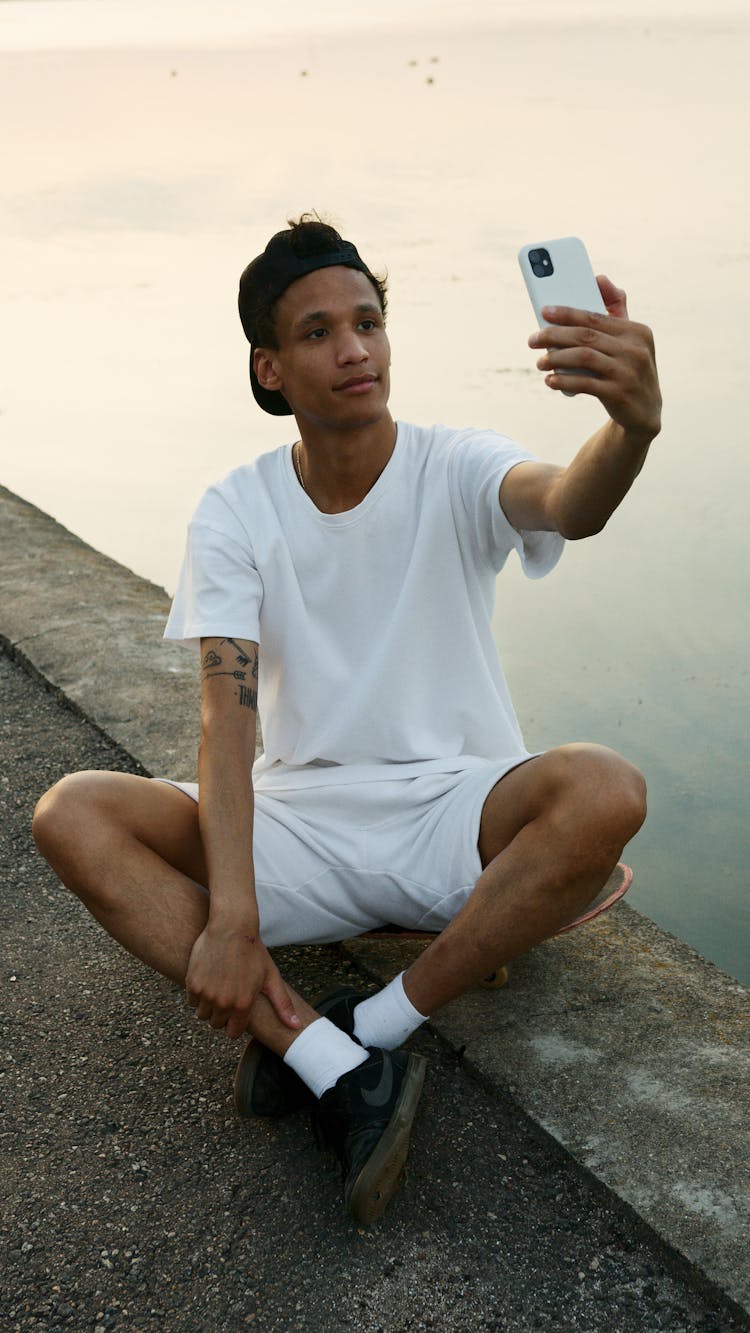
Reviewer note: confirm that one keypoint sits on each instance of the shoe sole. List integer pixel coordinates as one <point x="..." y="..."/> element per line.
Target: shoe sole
<point x="380" y="1177"/>
<point x="245" y="1077"/>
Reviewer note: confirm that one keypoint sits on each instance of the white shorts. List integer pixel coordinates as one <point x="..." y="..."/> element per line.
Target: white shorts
<point x="335" y="860"/>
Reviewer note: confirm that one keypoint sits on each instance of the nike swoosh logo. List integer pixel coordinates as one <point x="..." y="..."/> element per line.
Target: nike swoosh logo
<point x="379" y="1096"/>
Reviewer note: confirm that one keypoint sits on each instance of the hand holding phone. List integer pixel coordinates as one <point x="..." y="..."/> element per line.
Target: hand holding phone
<point x="560" y="273"/>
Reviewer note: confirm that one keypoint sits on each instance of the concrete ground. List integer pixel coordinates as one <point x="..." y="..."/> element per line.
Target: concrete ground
<point x="135" y="1199"/>
<point x="617" y="1044"/>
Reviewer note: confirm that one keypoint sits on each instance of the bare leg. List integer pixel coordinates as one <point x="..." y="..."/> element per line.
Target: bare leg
<point x="131" y="850"/>
<point x="552" y="831"/>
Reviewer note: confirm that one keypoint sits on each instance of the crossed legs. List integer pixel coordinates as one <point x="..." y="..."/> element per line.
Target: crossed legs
<point x="550" y="834"/>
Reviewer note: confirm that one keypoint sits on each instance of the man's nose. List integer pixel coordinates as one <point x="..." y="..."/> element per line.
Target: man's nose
<point x="351" y="348"/>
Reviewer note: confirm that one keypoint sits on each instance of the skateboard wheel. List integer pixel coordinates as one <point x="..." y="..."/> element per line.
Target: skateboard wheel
<point x="495" y="979"/>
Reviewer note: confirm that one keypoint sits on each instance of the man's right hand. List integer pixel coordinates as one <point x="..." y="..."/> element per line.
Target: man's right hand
<point x="228" y="969"/>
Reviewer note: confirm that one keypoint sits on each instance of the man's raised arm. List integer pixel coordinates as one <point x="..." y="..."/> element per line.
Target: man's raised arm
<point x="229" y="965"/>
<point x="578" y="500"/>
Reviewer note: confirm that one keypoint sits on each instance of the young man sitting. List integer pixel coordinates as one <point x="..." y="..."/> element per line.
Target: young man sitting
<point x="342" y="586"/>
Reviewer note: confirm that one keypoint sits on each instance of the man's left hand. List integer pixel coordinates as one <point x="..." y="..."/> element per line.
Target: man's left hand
<point x="618" y="351"/>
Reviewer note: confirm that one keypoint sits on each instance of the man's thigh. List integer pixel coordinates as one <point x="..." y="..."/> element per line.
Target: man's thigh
<point x="103" y="807"/>
<point x="574" y="779"/>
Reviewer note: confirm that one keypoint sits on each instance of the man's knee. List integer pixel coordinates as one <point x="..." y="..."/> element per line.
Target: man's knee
<point x="92" y="820"/>
<point x="631" y="798"/>
<point x="51" y="814"/>
<point x="587" y="794"/>
<point x="606" y="792"/>
<point x="64" y="815"/>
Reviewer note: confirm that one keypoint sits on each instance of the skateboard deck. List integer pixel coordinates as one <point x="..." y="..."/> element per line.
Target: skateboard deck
<point x="616" y="887"/>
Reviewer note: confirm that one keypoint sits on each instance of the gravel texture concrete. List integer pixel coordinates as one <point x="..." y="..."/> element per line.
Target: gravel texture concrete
<point x="134" y="1199"/>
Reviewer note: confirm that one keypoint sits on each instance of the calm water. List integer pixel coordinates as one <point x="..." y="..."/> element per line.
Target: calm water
<point x="154" y="149"/>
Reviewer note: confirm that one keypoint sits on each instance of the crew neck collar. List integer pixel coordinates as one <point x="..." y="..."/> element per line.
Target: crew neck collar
<point x="347" y="515"/>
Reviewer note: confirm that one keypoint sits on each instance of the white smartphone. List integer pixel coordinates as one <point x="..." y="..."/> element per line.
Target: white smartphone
<point x="560" y="273"/>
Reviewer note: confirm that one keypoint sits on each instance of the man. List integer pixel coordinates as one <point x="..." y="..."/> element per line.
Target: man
<point x="343" y="585"/>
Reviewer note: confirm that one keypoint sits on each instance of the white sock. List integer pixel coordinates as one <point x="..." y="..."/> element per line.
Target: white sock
<point x="388" y="1018"/>
<point x="321" y="1054"/>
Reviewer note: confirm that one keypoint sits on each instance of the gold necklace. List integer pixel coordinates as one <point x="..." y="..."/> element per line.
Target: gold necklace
<point x="298" y="465"/>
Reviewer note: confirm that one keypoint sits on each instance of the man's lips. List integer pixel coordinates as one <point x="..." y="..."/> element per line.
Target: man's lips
<point x="357" y="383"/>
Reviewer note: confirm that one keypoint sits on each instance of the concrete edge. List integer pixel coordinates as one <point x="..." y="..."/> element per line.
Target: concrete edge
<point x="676" y="1258"/>
<point x="15" y="654"/>
<point x="618" y="1041"/>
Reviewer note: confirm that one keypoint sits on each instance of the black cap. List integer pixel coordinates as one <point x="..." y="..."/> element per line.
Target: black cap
<point x="264" y="280"/>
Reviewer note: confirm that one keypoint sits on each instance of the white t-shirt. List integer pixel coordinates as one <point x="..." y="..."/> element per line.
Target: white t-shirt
<point x="374" y="625"/>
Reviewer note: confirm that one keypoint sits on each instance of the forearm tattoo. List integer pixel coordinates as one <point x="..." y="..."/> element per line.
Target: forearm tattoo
<point x="248" y="698"/>
<point x="242" y="657"/>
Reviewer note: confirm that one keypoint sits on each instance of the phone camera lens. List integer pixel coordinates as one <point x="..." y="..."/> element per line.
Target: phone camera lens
<point x="541" y="264"/>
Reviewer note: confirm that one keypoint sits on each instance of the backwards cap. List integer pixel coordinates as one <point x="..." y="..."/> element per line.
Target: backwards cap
<point x="263" y="282"/>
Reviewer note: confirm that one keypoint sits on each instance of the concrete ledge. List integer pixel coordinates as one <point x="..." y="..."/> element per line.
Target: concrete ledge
<point x="92" y="629"/>
<point x="620" y="1041"/>
<point x="633" y="1052"/>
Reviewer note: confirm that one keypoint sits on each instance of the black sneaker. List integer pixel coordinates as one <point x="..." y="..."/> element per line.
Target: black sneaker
<point x="265" y="1086"/>
<point x="366" y="1119"/>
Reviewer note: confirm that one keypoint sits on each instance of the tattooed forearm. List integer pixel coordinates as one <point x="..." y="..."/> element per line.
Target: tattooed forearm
<point x="248" y="697"/>
<point x="211" y="659"/>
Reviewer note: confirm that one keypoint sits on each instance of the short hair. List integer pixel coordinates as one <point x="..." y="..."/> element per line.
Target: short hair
<point x="309" y="235"/>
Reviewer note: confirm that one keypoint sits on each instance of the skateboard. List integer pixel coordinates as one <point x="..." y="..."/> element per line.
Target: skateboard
<point x="615" y="888"/>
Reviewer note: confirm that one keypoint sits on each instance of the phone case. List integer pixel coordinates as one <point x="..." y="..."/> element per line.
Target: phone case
<point x="571" y="280"/>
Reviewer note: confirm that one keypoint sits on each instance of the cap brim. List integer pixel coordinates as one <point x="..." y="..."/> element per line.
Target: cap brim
<point x="269" y="399"/>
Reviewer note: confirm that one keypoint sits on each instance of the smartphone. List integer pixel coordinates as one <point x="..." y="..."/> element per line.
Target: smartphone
<point x="560" y="273"/>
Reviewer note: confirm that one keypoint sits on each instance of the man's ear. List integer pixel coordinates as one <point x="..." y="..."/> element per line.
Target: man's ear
<point x="265" y="369"/>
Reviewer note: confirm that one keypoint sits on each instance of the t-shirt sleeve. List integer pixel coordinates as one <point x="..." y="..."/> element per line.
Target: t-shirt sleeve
<point x="480" y="461"/>
<point x="219" y="592"/>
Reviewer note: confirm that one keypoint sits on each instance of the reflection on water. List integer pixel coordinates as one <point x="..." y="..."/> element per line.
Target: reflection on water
<point x="125" y="222"/>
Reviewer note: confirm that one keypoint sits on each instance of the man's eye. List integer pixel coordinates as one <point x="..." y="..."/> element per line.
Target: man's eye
<point x="367" y="324"/>
<point x="316" y="333"/>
